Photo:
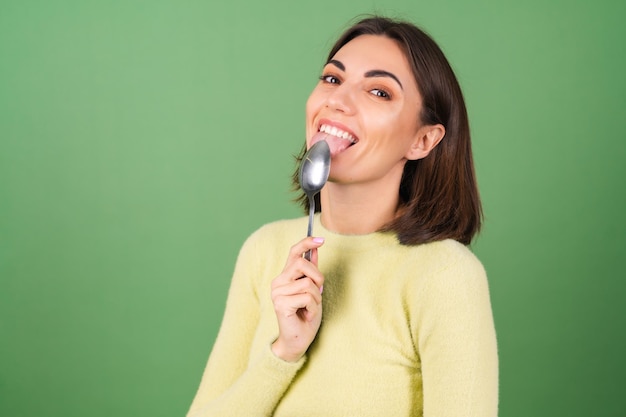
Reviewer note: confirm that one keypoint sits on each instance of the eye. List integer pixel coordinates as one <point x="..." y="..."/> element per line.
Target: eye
<point x="381" y="93"/>
<point x="330" y="79"/>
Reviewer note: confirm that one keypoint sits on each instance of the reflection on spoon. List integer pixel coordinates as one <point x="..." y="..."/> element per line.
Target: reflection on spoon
<point x="313" y="175"/>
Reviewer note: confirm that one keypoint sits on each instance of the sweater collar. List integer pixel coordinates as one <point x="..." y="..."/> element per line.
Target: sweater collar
<point x="353" y="242"/>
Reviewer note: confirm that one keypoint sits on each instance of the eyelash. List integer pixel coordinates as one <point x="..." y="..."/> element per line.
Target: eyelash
<point x="382" y="93"/>
<point x="378" y="92"/>
<point x="325" y="78"/>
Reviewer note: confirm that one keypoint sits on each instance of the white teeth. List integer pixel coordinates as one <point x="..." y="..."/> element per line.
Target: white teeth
<point x="332" y="130"/>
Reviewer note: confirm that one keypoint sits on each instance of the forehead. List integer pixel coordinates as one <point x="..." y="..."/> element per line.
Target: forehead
<point x="374" y="52"/>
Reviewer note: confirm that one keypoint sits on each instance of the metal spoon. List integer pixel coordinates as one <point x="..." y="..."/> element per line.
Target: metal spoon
<point x="313" y="174"/>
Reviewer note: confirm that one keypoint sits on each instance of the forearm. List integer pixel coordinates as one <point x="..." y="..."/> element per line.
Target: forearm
<point x="255" y="393"/>
<point x="244" y="377"/>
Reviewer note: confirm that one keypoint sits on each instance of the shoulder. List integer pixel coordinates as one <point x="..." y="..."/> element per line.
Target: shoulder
<point x="436" y="257"/>
<point x="445" y="267"/>
<point x="450" y="254"/>
<point x="284" y="226"/>
<point x="453" y="289"/>
<point x="279" y="235"/>
<point x="280" y="230"/>
<point x="265" y="248"/>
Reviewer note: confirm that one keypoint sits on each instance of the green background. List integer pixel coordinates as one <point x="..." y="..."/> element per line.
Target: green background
<point x="142" y="141"/>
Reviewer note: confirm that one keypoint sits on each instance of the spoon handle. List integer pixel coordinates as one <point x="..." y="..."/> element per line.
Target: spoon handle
<point x="309" y="232"/>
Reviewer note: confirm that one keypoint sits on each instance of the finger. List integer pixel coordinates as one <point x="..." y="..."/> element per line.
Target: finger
<point x="297" y="269"/>
<point x="288" y="306"/>
<point x="301" y="286"/>
<point x="314" y="256"/>
<point x="311" y="311"/>
<point x="310" y="271"/>
<point x="303" y="246"/>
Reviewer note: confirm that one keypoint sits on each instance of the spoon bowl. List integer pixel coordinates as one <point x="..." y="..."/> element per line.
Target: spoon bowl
<point x="313" y="175"/>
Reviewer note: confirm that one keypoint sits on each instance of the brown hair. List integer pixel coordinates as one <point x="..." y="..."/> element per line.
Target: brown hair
<point x="438" y="194"/>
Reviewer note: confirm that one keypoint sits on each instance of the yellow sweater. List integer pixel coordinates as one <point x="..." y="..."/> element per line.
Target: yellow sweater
<point x="406" y="331"/>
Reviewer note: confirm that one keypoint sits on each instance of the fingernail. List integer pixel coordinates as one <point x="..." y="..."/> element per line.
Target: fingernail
<point x="318" y="239"/>
<point x="321" y="289"/>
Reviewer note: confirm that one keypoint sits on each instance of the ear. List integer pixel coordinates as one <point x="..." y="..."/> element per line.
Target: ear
<point x="426" y="138"/>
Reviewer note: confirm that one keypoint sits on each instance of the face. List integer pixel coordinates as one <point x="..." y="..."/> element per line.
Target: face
<point x="366" y="105"/>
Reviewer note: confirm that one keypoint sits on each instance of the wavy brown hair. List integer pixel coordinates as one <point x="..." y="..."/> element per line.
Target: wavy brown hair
<point x="439" y="197"/>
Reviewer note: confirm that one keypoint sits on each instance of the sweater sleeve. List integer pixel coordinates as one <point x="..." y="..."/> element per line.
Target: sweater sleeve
<point x="231" y="386"/>
<point x="456" y="340"/>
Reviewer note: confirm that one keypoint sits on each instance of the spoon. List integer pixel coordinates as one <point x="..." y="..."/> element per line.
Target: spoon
<point x="313" y="174"/>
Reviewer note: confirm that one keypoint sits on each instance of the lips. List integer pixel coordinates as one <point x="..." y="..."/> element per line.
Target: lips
<point x="338" y="137"/>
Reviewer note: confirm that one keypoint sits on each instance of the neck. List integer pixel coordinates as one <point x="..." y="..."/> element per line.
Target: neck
<point x="358" y="209"/>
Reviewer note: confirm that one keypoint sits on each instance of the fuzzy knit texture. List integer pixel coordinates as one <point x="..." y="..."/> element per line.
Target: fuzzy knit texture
<point x="406" y="331"/>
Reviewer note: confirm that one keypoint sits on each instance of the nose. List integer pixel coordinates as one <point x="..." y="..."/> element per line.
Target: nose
<point x="341" y="99"/>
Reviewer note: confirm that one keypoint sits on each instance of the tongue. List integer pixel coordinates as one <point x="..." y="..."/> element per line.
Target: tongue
<point x="336" y="145"/>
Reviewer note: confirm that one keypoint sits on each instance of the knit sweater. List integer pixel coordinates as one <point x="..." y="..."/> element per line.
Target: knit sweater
<point x="406" y="331"/>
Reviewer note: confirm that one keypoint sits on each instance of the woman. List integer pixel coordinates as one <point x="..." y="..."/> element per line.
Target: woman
<point x="406" y="327"/>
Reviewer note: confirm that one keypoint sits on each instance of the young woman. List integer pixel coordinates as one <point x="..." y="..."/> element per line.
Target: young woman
<point x="392" y="316"/>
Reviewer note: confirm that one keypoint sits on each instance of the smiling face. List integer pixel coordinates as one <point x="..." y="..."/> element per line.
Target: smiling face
<point x="367" y="107"/>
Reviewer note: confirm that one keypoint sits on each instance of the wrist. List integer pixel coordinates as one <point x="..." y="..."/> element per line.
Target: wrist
<point x="281" y="352"/>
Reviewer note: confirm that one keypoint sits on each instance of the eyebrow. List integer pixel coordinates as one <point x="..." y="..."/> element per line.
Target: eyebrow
<point x="372" y="73"/>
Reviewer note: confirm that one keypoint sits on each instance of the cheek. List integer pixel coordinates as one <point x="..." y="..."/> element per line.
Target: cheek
<point x="313" y="103"/>
<point x="388" y="124"/>
<point x="405" y="124"/>
<point x="395" y="132"/>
